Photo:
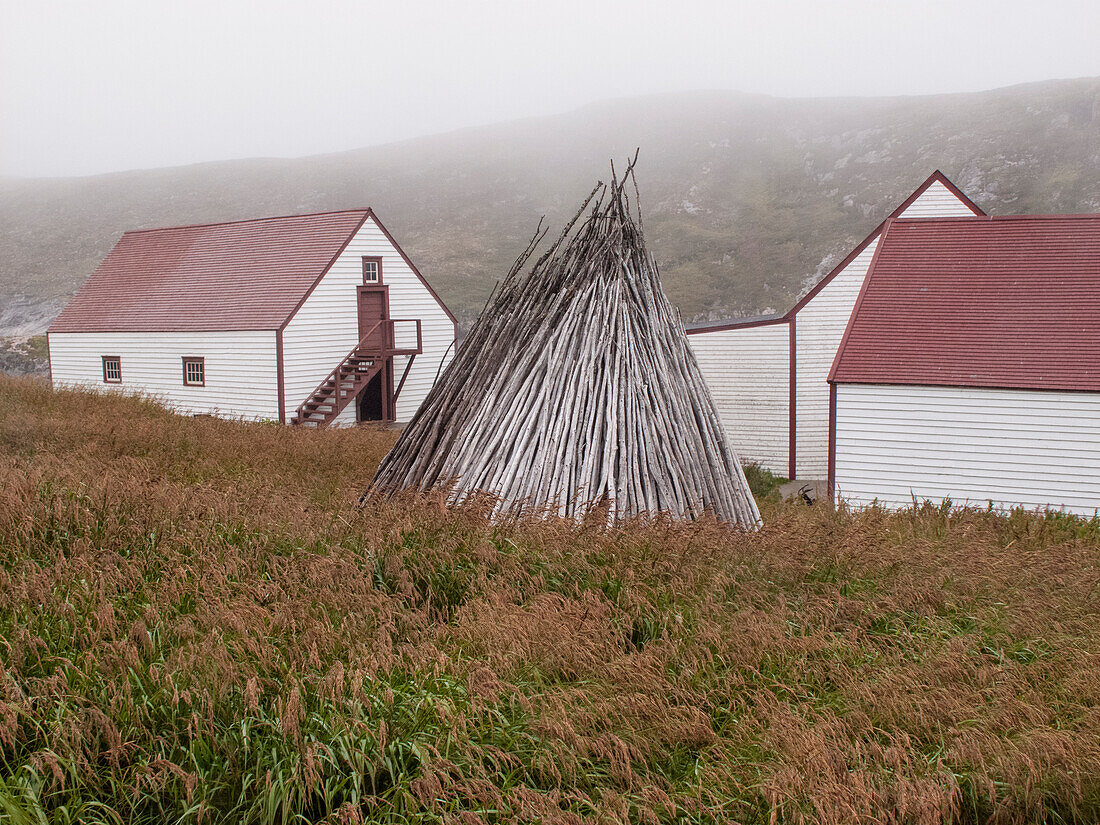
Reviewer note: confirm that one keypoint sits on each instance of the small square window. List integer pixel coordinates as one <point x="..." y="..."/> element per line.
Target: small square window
<point x="194" y="372"/>
<point x="112" y="369"/>
<point x="372" y="269"/>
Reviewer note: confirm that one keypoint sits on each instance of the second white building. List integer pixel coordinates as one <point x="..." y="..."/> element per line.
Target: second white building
<point x="970" y="370"/>
<point x="769" y="376"/>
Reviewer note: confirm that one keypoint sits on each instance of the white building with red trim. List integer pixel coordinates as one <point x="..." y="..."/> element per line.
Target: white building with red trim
<point x="970" y="367"/>
<point x="306" y="319"/>
<point x="769" y="376"/>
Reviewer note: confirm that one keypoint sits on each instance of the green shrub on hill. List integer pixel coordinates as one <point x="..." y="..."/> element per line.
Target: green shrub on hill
<point x="25" y="356"/>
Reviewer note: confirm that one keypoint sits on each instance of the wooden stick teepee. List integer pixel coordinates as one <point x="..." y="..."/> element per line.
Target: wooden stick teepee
<point x="576" y="388"/>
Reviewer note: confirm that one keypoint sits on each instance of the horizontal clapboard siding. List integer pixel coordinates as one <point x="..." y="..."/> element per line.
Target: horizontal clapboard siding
<point x="937" y="201"/>
<point x="240" y="368"/>
<point x="819" y="328"/>
<point x="326" y="327"/>
<point x="1024" y="448"/>
<point x="747" y="371"/>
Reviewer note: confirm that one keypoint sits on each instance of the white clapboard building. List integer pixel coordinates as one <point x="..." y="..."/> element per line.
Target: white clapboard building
<point x="306" y="319"/>
<point x="769" y="376"/>
<point x="970" y="368"/>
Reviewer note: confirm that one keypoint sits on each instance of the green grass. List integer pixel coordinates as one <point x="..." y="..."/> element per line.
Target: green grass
<point x="198" y="624"/>
<point x="762" y="482"/>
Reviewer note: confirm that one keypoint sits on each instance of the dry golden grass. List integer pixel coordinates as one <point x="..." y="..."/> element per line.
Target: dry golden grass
<point x="198" y="624"/>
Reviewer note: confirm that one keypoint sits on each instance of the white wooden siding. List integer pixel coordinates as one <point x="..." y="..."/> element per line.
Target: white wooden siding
<point x="819" y="328"/>
<point x="937" y="201"/>
<point x="241" y="378"/>
<point x="1011" y="447"/>
<point x="748" y="373"/>
<point x="326" y="326"/>
<point x="347" y="418"/>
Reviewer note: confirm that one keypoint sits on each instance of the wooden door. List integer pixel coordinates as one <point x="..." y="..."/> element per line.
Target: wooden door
<point x="374" y="306"/>
<point x="375" y="402"/>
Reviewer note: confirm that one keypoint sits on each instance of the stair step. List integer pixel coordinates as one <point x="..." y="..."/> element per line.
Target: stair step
<point x="339" y="389"/>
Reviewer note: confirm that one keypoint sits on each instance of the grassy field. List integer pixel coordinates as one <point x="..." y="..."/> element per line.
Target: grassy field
<point x="197" y="624"/>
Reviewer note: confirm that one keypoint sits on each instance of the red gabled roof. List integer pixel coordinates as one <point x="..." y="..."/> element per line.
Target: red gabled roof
<point x="935" y="177"/>
<point x="244" y="275"/>
<point x="979" y="302"/>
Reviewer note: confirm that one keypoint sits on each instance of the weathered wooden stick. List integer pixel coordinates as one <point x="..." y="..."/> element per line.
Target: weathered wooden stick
<point x="576" y="388"/>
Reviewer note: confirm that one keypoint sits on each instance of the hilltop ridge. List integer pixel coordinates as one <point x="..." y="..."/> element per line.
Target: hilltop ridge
<point x="747" y="198"/>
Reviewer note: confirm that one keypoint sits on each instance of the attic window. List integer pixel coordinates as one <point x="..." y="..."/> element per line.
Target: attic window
<point x="372" y="269"/>
<point x="112" y="369"/>
<point x="194" y="372"/>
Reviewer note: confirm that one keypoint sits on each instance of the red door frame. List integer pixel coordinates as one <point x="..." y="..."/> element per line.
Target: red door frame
<point x="388" y="413"/>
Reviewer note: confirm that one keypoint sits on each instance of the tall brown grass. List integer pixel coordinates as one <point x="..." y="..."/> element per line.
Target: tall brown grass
<point x="198" y="624"/>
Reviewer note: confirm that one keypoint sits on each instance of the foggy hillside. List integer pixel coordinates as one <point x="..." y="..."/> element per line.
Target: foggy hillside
<point x="746" y="198"/>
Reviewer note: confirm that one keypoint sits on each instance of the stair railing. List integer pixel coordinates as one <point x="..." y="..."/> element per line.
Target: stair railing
<point x="387" y="350"/>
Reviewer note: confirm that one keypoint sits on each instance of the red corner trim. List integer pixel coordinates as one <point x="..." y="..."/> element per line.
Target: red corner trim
<point x="859" y="299"/>
<point x="279" y="379"/>
<point x="792" y="402"/>
<point x="831" y="483"/>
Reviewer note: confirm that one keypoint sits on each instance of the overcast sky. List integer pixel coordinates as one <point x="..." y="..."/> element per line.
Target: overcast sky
<point x="102" y="85"/>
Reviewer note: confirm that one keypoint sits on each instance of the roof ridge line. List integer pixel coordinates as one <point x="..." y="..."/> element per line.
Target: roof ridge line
<point x="1046" y="216"/>
<point x="364" y="210"/>
<point x="788" y="315"/>
<point x="1041" y="216"/>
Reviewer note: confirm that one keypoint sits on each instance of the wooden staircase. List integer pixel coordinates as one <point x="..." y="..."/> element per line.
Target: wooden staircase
<point x="346" y="381"/>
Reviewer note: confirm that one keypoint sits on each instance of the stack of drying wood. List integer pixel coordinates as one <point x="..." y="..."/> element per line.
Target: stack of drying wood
<point x="576" y="388"/>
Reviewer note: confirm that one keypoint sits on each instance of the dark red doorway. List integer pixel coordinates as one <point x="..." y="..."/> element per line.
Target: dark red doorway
<point x="375" y="402"/>
<point x="370" y="400"/>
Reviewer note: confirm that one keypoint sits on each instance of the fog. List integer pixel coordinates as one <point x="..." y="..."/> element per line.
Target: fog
<point x="120" y="84"/>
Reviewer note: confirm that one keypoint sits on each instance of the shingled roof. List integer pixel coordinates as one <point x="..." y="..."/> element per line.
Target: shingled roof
<point x="1010" y="302"/>
<point x="243" y="275"/>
